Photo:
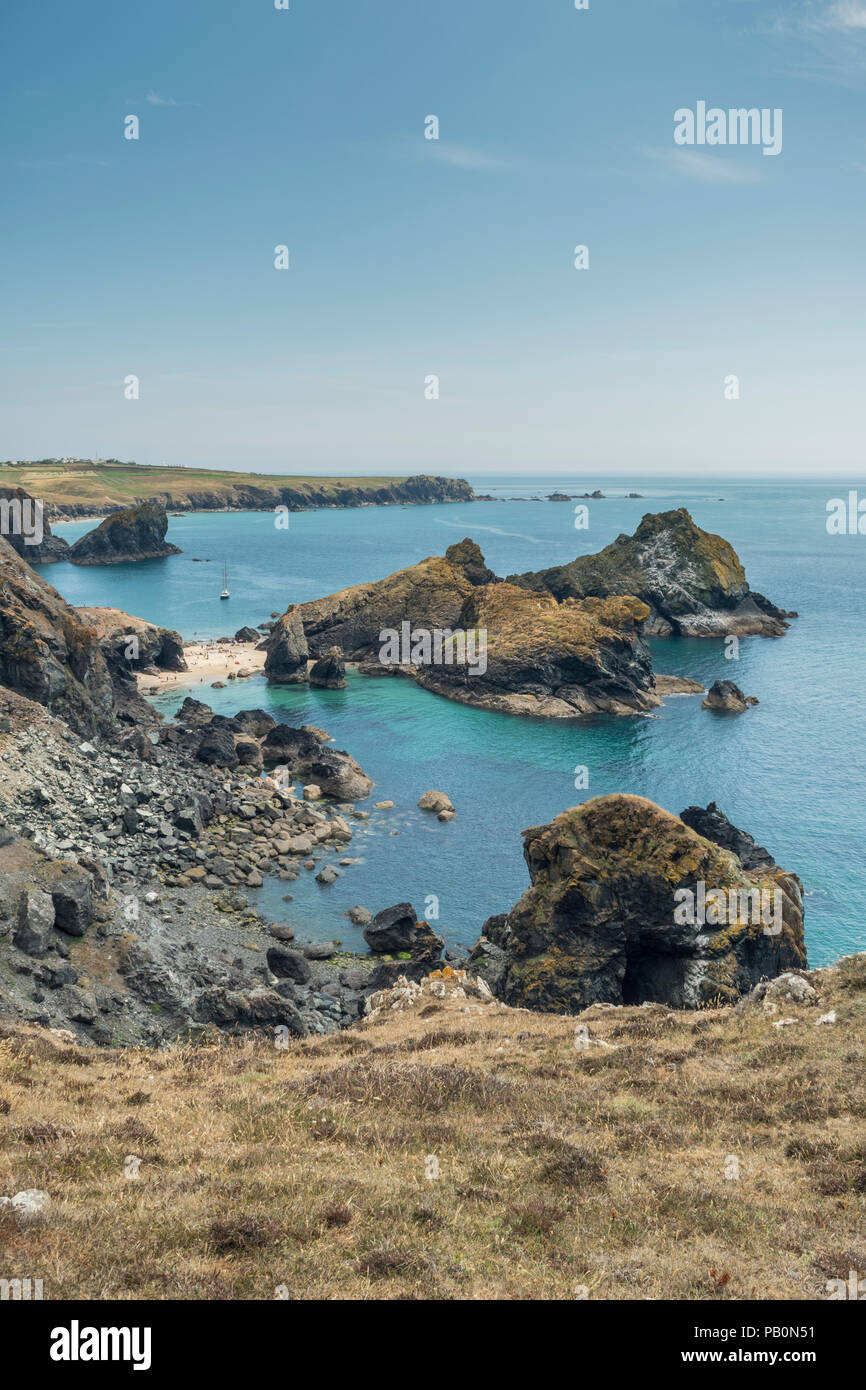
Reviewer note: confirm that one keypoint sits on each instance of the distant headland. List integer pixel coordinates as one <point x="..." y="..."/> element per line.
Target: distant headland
<point x="75" y="488"/>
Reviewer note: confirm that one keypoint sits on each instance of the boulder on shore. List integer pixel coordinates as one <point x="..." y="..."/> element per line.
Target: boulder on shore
<point x="396" y="931"/>
<point x="335" y="772"/>
<point x="194" y="713"/>
<point x="629" y="905"/>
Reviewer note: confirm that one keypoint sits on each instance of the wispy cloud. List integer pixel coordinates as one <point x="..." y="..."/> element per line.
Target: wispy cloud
<point x="465" y="156"/>
<point x="840" y="14"/>
<point x="827" y="38"/>
<point x="709" y="168"/>
<point x="155" y="99"/>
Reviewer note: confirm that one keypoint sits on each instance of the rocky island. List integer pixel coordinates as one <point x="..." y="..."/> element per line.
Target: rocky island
<point x="561" y="643"/>
<point x="131" y="534"/>
<point x="540" y="657"/>
<point x="692" y="581"/>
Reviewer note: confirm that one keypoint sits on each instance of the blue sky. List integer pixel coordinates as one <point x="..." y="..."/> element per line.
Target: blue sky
<point x="412" y="257"/>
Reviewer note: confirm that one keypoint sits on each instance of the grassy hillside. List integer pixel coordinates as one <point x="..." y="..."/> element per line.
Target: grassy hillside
<point x="453" y="1149"/>
<point x="91" y="487"/>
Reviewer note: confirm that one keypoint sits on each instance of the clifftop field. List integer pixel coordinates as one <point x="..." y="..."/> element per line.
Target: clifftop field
<point x="451" y="1149"/>
<point x="94" y="488"/>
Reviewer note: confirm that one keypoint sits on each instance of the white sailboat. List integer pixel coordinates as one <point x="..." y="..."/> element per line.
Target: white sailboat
<point x="225" y="593"/>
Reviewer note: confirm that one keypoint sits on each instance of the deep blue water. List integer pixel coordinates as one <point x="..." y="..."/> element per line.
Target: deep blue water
<point x="791" y="771"/>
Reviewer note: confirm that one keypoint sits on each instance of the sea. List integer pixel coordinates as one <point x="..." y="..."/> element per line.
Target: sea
<point x="791" y="771"/>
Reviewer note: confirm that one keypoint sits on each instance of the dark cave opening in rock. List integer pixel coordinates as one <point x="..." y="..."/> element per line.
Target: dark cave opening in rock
<point x="651" y="978"/>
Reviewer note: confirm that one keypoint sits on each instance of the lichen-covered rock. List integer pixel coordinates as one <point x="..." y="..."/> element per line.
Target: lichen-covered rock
<point x="466" y="556"/>
<point x="785" y="989"/>
<point x="130" y="534"/>
<point x="490" y="644"/>
<point x="47" y="653"/>
<point x="549" y="659"/>
<point x="629" y="905"/>
<point x="28" y="1207"/>
<point x="691" y="580"/>
<point x="430" y="594"/>
<point x="286" y="650"/>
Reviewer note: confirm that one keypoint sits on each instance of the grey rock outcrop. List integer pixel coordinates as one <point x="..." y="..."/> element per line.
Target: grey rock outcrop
<point x="286" y="650"/>
<point x="329" y="671"/>
<point x="47" y="653"/>
<point x="727" y="698"/>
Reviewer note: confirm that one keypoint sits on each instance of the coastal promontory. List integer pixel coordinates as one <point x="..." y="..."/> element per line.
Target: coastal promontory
<point x="73" y="488"/>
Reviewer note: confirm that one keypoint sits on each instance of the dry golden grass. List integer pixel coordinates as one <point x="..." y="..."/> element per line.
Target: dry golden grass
<point x="304" y="1173"/>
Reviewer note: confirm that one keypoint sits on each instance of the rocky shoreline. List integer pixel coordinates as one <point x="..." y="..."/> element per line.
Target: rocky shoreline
<point x="129" y="845"/>
<point x="126" y="917"/>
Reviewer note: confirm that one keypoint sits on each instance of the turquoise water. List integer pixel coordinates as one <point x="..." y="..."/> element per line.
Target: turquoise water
<point x="792" y="771"/>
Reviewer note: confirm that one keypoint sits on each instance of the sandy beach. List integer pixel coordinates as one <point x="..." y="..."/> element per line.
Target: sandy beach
<point x="207" y="662"/>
